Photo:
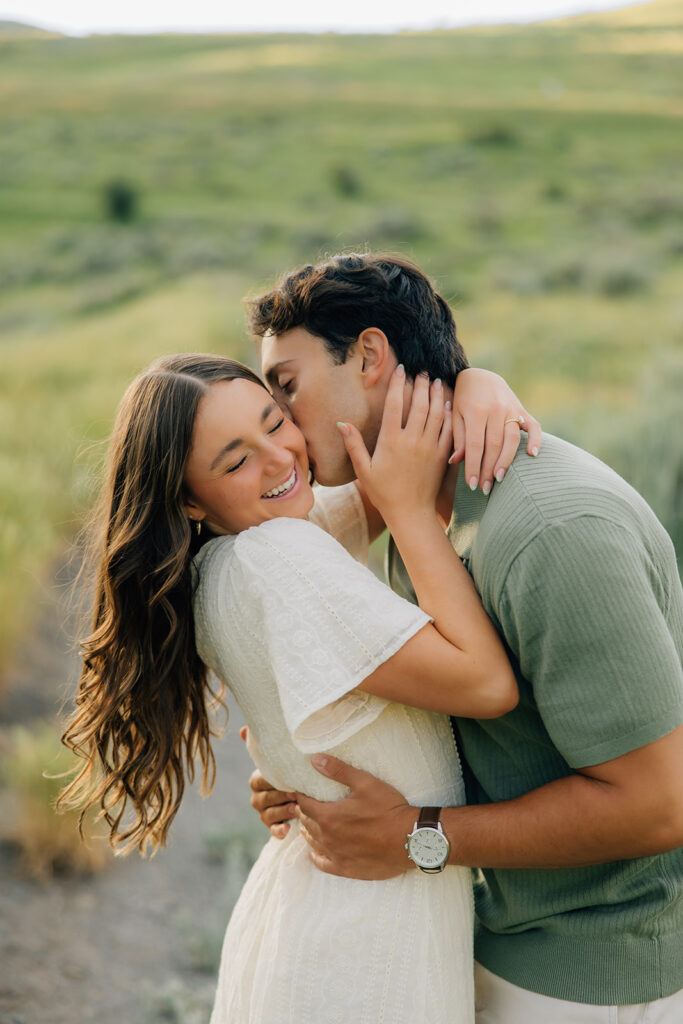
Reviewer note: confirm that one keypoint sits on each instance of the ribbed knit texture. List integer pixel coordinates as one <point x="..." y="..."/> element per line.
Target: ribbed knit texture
<point x="581" y="580"/>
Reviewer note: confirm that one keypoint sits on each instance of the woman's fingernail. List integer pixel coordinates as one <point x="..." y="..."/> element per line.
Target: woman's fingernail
<point x="319" y="761"/>
<point x="534" y="452"/>
<point x="486" y="487"/>
<point x="473" y="483"/>
<point x="343" y="427"/>
<point x="401" y="370"/>
<point x="448" y="406"/>
<point x="437" y="382"/>
<point x="500" y="473"/>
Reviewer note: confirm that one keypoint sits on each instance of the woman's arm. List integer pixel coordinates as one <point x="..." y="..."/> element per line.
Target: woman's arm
<point x="458" y="666"/>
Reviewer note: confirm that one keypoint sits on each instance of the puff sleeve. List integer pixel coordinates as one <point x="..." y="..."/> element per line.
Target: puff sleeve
<point x="325" y="623"/>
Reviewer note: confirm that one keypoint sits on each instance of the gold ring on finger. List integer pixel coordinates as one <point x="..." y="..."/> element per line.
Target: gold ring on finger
<point x="515" y="419"/>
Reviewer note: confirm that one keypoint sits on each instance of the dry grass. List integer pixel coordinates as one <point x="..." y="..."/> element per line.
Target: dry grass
<point x="48" y="843"/>
<point x="57" y="400"/>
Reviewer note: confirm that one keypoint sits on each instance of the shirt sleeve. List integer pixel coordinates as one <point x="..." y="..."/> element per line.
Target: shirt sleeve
<point x="339" y="511"/>
<point x="586" y="614"/>
<point x="326" y="623"/>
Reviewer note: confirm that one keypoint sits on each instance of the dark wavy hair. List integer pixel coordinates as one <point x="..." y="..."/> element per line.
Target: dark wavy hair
<point x="336" y="300"/>
<point x="144" y="696"/>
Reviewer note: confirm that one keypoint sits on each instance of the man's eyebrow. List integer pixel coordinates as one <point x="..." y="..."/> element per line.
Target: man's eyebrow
<point x="271" y="373"/>
<point x="231" y="445"/>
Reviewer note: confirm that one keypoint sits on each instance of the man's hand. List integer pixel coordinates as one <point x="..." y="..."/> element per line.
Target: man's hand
<point x="274" y="808"/>
<point x="487" y="420"/>
<point x="364" y="834"/>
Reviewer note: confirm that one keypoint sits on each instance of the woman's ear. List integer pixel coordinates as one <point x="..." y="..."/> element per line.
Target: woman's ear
<point x="376" y="355"/>
<point x="192" y="510"/>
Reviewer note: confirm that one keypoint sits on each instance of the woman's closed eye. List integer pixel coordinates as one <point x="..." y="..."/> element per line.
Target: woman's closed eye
<point x="287" y="386"/>
<point x="231" y="469"/>
<point x="276" y="426"/>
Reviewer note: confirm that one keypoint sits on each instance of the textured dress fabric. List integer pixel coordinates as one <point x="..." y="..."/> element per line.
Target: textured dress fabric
<point x="293" y="624"/>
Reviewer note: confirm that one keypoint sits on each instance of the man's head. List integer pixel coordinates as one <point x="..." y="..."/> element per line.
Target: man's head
<point x="333" y="334"/>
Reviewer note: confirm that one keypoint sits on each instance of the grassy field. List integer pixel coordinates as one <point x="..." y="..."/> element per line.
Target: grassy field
<point x="536" y="172"/>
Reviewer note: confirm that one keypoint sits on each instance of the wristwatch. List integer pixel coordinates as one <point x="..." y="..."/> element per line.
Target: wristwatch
<point x="427" y="844"/>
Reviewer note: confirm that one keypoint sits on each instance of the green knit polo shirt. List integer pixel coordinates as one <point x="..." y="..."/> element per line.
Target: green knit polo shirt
<point x="580" y="579"/>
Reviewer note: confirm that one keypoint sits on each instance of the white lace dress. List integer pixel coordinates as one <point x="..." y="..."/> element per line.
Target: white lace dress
<point x="293" y="624"/>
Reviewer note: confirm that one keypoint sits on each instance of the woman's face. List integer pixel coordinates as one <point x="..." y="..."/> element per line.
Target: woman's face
<point x="247" y="462"/>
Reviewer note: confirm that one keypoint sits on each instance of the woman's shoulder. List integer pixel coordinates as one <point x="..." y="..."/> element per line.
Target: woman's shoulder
<point x="215" y="552"/>
<point x="276" y="538"/>
<point x="283" y="539"/>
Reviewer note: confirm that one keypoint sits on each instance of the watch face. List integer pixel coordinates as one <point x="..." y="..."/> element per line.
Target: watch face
<point x="428" y="848"/>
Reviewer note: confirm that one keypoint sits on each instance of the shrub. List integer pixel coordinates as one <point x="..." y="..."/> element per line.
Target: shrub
<point x="654" y="206"/>
<point x="650" y="454"/>
<point x="120" y="201"/>
<point x="554" y="191"/>
<point x="497" y="136"/>
<point x="396" y="226"/>
<point x="622" y="279"/>
<point x="345" y="181"/>
<point x="179" y="1002"/>
<point x="48" y="843"/>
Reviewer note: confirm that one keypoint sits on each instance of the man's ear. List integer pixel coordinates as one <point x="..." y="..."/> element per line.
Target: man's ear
<point x="376" y="355"/>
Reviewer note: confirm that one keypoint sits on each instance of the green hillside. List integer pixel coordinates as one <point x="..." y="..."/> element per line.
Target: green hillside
<point x="536" y="172"/>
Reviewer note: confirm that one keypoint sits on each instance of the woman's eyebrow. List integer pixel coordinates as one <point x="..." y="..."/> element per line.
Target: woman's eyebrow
<point x="231" y="445"/>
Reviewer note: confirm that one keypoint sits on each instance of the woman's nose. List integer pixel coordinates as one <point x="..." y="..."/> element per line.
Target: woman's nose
<point x="277" y="456"/>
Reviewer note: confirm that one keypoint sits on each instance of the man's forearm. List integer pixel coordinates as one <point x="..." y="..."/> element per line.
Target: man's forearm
<point x="629" y="807"/>
<point x="572" y="822"/>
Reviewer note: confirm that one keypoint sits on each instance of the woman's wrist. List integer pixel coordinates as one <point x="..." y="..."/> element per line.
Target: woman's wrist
<point x="406" y="519"/>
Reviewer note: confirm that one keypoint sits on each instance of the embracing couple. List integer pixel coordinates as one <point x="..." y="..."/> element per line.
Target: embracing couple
<point x="535" y="601"/>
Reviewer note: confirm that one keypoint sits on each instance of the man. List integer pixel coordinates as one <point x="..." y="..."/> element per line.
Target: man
<point x="575" y="809"/>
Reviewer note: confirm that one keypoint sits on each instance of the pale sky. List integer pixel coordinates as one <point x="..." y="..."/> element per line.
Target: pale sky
<point x="80" y="17"/>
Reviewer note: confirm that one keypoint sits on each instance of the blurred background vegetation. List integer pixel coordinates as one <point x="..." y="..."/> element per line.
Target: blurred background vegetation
<point x="148" y="183"/>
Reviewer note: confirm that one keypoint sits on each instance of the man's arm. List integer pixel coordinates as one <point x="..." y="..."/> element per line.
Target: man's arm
<point x="631" y="806"/>
<point x="581" y="612"/>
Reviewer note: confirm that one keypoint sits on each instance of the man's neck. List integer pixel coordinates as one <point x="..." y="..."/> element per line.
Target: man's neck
<point x="446" y="496"/>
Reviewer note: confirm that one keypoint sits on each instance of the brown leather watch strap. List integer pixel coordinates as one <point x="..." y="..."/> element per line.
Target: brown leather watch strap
<point x="429" y="817"/>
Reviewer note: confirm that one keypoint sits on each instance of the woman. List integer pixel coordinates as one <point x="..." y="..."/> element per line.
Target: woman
<point x="317" y="652"/>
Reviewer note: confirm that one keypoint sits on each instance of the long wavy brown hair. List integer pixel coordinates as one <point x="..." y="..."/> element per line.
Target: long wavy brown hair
<point x="143" y="705"/>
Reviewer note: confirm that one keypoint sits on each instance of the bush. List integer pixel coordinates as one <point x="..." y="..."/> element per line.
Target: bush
<point x="497" y="136"/>
<point x="654" y="206"/>
<point x="345" y="181"/>
<point x="620" y="280"/>
<point x="554" y="191"/>
<point x="179" y="1002"/>
<point x="120" y="201"/>
<point x="649" y="453"/>
<point x="48" y="843"/>
<point x="395" y="226"/>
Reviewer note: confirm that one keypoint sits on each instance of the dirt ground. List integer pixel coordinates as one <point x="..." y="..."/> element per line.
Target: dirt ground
<point x="139" y="942"/>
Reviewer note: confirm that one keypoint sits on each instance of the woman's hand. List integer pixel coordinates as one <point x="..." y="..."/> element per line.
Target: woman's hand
<point x="487" y="420"/>
<point x="406" y="469"/>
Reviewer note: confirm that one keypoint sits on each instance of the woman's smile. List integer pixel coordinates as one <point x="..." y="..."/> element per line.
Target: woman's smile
<point x="285" y="489"/>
